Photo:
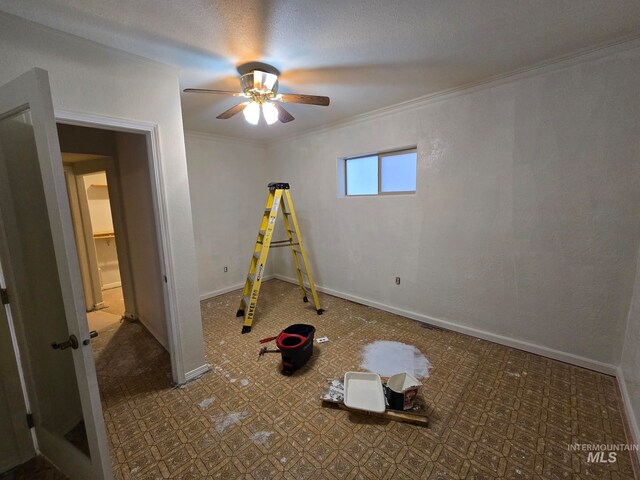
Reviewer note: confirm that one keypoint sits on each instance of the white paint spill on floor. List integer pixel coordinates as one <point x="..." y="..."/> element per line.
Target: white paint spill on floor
<point x="204" y="404"/>
<point x="225" y="421"/>
<point x="388" y="358"/>
<point x="244" y="382"/>
<point x="262" y="438"/>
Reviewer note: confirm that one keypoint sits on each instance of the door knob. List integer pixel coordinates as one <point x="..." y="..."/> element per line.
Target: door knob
<point x="92" y="334"/>
<point x="72" y="342"/>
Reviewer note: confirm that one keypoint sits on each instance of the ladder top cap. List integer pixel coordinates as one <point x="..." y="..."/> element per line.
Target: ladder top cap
<point x="278" y="186"/>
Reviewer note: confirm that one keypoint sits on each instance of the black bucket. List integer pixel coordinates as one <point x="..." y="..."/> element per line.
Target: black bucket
<point x="296" y="346"/>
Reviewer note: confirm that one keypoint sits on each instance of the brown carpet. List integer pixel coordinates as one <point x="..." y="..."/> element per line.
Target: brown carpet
<point x="496" y="412"/>
<point x="38" y="468"/>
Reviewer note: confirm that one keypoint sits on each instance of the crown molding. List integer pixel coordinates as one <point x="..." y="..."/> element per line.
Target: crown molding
<point x="592" y="53"/>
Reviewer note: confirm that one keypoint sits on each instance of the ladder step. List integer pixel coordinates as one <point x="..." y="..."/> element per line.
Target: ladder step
<point x="251" y="277"/>
<point x="257" y="254"/>
<point x="245" y="300"/>
<point x="262" y="232"/>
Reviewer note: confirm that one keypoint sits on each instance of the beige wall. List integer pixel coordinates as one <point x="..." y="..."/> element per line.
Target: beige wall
<point x="630" y="365"/>
<point x="144" y="252"/>
<point x="525" y="225"/>
<point x="89" y="78"/>
<point x="228" y="180"/>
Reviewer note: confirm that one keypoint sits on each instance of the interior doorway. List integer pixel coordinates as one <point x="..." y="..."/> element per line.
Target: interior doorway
<point x="112" y="207"/>
<point x="92" y="217"/>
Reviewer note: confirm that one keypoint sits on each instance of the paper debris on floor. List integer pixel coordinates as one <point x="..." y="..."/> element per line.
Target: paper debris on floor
<point x="225" y="421"/>
<point x="204" y="404"/>
<point x="335" y="392"/>
<point x="261" y="438"/>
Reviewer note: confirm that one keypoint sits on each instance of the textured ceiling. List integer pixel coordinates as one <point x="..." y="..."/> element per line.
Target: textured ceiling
<point x="364" y="54"/>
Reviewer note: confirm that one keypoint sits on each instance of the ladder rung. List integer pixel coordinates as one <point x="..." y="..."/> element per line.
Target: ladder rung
<point x="245" y="300"/>
<point x="251" y="276"/>
<point x="262" y="232"/>
<point x="257" y="254"/>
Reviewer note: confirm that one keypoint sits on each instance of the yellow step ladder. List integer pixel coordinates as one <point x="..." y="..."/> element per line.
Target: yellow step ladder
<point x="279" y="198"/>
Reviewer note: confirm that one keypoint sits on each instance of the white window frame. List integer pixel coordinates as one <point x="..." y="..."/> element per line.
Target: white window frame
<point x="380" y="155"/>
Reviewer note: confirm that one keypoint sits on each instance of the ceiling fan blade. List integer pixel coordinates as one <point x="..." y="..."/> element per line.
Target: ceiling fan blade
<point x="283" y="115"/>
<point x="306" y="99"/>
<point x="217" y="92"/>
<point x="233" y="110"/>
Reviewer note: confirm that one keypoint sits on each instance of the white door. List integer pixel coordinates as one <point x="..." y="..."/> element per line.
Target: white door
<point x="38" y="256"/>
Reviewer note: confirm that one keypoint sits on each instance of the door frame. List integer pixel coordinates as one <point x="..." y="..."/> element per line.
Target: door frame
<point x="151" y="133"/>
<point x="87" y="256"/>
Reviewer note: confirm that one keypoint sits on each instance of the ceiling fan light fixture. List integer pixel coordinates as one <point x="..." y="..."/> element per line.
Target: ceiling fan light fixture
<point x="259" y="84"/>
<point x="252" y="113"/>
<point x="270" y="113"/>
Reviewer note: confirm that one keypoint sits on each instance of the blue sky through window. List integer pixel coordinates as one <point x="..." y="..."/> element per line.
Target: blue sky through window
<point x="398" y="172"/>
<point x="362" y="176"/>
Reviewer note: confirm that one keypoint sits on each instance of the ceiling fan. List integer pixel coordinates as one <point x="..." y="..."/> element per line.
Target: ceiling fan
<point x="259" y="82"/>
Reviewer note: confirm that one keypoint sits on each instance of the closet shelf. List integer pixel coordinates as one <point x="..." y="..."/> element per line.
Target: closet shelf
<point x="103" y="235"/>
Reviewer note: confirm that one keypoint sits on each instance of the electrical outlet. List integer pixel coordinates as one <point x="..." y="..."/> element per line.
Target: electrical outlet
<point x="226" y="269"/>
<point x="397" y="280"/>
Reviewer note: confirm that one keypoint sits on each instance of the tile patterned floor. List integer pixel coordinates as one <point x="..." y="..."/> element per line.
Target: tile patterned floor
<point x="495" y="412"/>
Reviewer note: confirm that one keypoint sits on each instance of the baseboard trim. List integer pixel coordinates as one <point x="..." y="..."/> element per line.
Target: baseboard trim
<point x="632" y="421"/>
<point x="109" y="286"/>
<point x="577" y="360"/>
<point x="197" y="372"/>
<point x="222" y="291"/>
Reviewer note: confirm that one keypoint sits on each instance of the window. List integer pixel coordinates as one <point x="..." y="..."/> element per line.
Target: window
<point x="393" y="172"/>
